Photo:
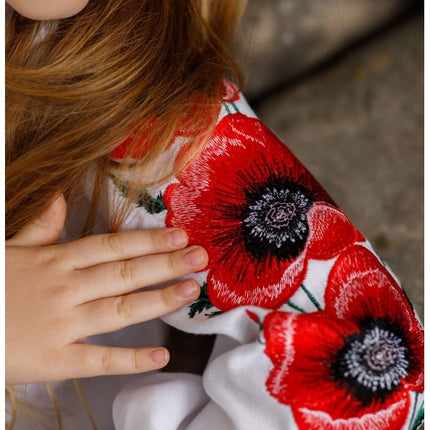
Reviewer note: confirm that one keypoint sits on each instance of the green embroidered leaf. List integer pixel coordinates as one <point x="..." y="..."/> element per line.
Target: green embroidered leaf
<point x="151" y="204"/>
<point x="143" y="200"/>
<point x="201" y="304"/>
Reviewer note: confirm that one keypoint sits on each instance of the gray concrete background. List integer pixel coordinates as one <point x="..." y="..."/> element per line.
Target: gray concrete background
<point x="357" y="124"/>
<point x="282" y="39"/>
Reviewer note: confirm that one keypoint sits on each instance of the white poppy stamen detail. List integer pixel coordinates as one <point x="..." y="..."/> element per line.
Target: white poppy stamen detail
<point x="276" y="218"/>
<point x="374" y="361"/>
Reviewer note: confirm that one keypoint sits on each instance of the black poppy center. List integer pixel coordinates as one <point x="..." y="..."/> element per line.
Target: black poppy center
<point x="373" y="362"/>
<point x="275" y="220"/>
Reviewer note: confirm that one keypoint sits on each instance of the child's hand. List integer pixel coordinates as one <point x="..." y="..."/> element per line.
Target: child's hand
<point x="58" y="294"/>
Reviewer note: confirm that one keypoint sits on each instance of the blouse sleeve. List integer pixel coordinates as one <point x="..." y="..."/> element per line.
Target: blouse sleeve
<point x="320" y="332"/>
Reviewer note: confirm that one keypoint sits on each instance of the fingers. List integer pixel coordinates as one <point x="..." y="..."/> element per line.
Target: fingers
<point x="104" y="248"/>
<point x="114" y="313"/>
<point x="45" y="229"/>
<point x="121" y="277"/>
<point x="83" y="360"/>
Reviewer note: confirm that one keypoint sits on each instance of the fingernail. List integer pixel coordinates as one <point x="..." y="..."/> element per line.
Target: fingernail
<point x="177" y="238"/>
<point x="159" y="356"/>
<point x="195" y="257"/>
<point x="187" y="289"/>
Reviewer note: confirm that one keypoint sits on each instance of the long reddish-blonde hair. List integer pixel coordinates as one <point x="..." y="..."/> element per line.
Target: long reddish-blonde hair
<point x="78" y="87"/>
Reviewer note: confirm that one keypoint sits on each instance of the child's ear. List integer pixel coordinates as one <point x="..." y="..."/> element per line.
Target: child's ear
<point x="41" y="10"/>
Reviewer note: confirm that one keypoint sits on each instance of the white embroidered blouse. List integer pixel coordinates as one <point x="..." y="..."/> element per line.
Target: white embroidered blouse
<point x="313" y="329"/>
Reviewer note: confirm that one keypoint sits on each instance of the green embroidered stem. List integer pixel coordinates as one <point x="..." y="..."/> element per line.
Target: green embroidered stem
<point x="214" y="314"/>
<point x="113" y="179"/>
<point x="235" y="107"/>
<point x="297" y="308"/>
<point x="411" y="425"/>
<point x="261" y="340"/>
<point x="311" y="297"/>
<point x="142" y="199"/>
<point x="420" y="416"/>
<point x="226" y="108"/>
<point x="419" y="419"/>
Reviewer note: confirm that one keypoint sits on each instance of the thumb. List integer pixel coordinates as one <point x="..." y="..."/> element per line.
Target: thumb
<point x="46" y="228"/>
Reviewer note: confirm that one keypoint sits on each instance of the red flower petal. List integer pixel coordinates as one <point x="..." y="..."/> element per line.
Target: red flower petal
<point x="242" y="152"/>
<point x="302" y="349"/>
<point x="183" y="212"/>
<point x="119" y="152"/>
<point x="279" y="328"/>
<point x="359" y="286"/>
<point x="268" y="289"/>
<point x="209" y="202"/>
<point x="415" y="379"/>
<point x="330" y="232"/>
<point x="253" y="316"/>
<point x="391" y="418"/>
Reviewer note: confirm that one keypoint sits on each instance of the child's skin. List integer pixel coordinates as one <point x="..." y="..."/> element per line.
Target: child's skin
<point x="59" y="294"/>
<point x="47" y="9"/>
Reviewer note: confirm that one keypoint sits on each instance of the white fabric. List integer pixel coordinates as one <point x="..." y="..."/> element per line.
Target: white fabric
<point x="159" y="401"/>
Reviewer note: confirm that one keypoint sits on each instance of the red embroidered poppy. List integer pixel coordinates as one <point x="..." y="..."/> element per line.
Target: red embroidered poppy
<point x="352" y="365"/>
<point x="258" y="212"/>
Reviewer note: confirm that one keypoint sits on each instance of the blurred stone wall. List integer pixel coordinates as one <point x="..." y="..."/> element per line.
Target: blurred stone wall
<point x="281" y="39"/>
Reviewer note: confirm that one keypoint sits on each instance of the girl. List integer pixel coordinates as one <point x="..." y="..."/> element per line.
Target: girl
<point x="313" y="330"/>
<point x="71" y="101"/>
